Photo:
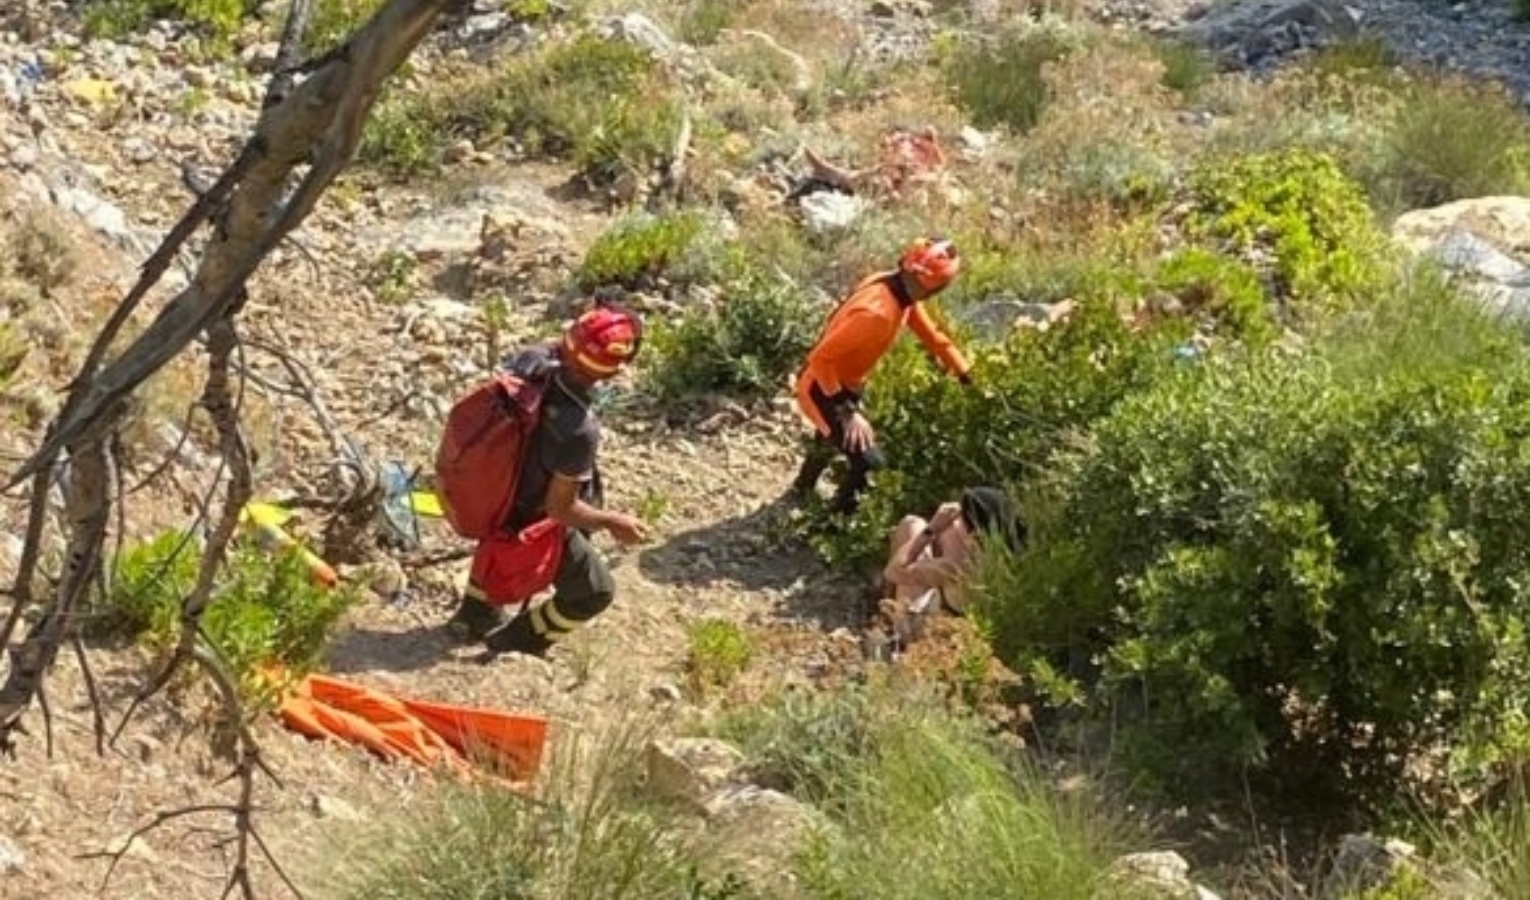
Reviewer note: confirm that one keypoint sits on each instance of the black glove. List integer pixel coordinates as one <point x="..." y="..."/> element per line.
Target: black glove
<point x="965" y="379"/>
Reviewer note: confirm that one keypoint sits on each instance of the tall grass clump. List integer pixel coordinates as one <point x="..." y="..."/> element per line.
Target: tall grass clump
<point x="924" y="804"/>
<point x="1001" y="80"/>
<point x="588" y="832"/>
<point x="1453" y="139"/>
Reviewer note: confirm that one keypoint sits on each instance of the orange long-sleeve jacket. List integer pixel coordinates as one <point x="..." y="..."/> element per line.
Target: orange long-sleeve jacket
<point x="859" y="334"/>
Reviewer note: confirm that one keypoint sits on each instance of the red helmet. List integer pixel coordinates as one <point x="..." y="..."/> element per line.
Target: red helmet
<point x="932" y="261"/>
<point x="604" y="339"/>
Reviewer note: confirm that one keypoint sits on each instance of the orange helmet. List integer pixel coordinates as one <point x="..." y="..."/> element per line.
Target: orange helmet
<point x="932" y="261"/>
<point x="604" y="339"/>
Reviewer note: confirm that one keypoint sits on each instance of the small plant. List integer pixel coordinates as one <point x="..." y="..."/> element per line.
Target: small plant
<point x="922" y="802"/>
<point x="652" y="506"/>
<point x="809" y="744"/>
<point x="604" y="105"/>
<point x="1219" y="290"/>
<point x="496" y="321"/>
<point x="332" y="21"/>
<point x="704" y="20"/>
<point x="590" y="831"/>
<point x="266" y="613"/>
<point x="1186" y="68"/>
<point x="392" y="277"/>
<point x="747" y="342"/>
<point x="1002" y="81"/>
<point x="13" y="352"/>
<point x="218" y="20"/>
<point x="719" y="651"/>
<point x="38" y="252"/>
<point x="401" y="135"/>
<point x="638" y="250"/>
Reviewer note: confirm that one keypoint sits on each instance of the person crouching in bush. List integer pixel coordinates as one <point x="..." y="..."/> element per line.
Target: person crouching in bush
<point x="858" y="334"/>
<point x="929" y="561"/>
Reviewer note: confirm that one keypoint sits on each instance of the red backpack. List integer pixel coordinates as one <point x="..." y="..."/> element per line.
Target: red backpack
<point x="482" y="451"/>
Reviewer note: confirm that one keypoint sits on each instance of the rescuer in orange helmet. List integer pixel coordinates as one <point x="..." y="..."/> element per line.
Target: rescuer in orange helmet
<point x="858" y="334"/>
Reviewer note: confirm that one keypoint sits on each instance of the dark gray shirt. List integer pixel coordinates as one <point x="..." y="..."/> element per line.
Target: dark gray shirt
<point x="566" y="440"/>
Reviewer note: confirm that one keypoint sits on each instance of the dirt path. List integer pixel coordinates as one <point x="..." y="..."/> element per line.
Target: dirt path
<point x="715" y="552"/>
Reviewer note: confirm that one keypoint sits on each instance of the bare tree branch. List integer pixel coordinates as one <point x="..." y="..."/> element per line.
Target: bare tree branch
<point x="308" y="130"/>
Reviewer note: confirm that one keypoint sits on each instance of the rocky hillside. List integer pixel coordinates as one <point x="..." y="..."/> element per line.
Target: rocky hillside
<point x="380" y="298"/>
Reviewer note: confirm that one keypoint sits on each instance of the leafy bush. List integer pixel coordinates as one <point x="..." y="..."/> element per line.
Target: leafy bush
<point x="218" y="19"/>
<point x="603" y="104"/>
<point x="266" y="611"/>
<point x="1219" y="291"/>
<point x="1301" y="569"/>
<point x="748" y="341"/>
<point x="638" y="250"/>
<point x="1298" y="207"/>
<point x="1033" y="391"/>
<point x="332" y="21"/>
<point x="1001" y="81"/>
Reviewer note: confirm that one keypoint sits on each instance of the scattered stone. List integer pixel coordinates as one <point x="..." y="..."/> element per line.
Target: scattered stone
<point x="12" y="858"/>
<point x="326" y="807"/>
<point x="638" y="29"/>
<point x="1472" y="240"/>
<point x="1162" y="874"/>
<point x="827" y="211"/>
<point x="691" y="769"/>
<point x="755" y="833"/>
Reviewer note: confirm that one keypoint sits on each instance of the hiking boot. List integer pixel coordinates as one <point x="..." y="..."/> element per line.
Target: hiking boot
<point x="815" y="461"/>
<point x="518" y="636"/>
<point x="474" y="620"/>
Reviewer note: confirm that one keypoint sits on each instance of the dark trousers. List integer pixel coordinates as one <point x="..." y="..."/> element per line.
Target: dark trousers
<point x="583" y="589"/>
<point x="822" y="450"/>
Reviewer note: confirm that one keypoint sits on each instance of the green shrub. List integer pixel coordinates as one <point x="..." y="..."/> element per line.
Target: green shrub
<point x="637" y="251"/>
<point x="1032" y="391"/>
<point x="1300" y="570"/>
<point x="808" y="744"/>
<point x="1298" y="207"/>
<point x="936" y="812"/>
<point x="719" y="651"/>
<point x="1119" y="171"/>
<point x="217" y="19"/>
<point x="1186" y="67"/>
<point x="748" y="341"/>
<point x="1219" y="291"/>
<point x="332" y="21"/>
<point x="703" y="21"/>
<point x="266" y="611"/>
<point x="1002" y="81"/>
<point x="605" y="105"/>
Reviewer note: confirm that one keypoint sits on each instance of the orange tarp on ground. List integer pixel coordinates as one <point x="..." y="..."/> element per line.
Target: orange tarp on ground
<point x="432" y="734"/>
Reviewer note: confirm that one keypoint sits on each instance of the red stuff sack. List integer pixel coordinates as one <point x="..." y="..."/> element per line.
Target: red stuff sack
<point x="510" y="569"/>
<point x="482" y="452"/>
